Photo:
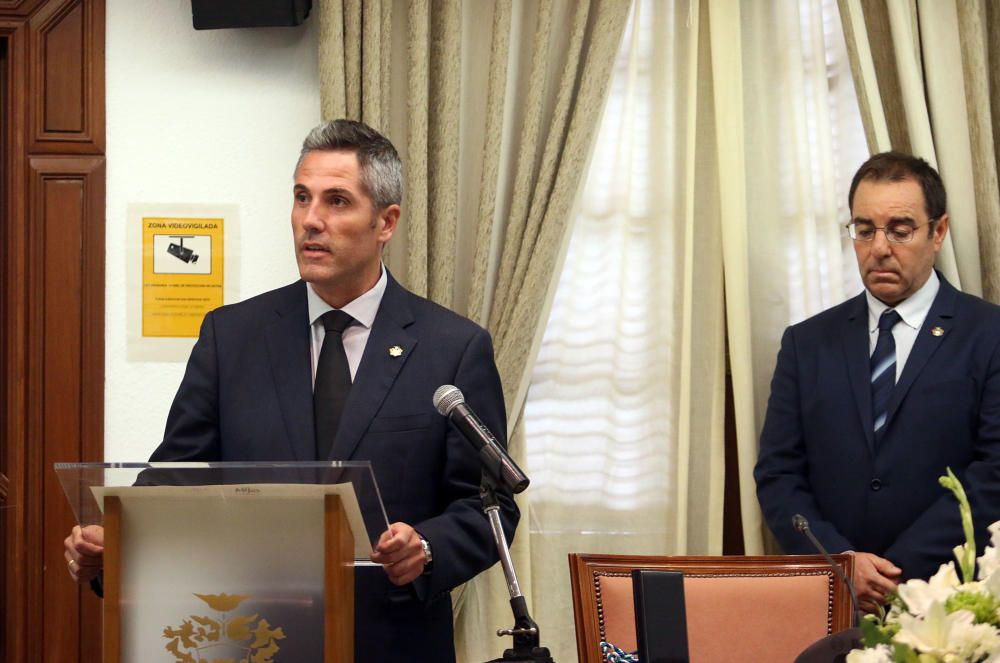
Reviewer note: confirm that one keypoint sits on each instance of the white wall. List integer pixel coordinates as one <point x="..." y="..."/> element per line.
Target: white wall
<point x="196" y="117"/>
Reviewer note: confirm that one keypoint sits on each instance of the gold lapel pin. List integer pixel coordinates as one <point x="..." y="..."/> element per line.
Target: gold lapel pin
<point x="937" y="331"/>
<point x="395" y="351"/>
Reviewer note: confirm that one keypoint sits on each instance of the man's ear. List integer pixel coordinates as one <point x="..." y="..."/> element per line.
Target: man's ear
<point x="940" y="231"/>
<point x="386" y="223"/>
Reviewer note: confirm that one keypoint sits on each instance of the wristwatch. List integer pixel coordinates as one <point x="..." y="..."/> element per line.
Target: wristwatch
<point x="428" y="555"/>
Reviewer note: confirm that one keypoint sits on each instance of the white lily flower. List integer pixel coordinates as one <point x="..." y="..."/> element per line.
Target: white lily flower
<point x="989" y="562"/>
<point x="951" y="637"/>
<point x="931" y="634"/>
<point x="920" y="594"/>
<point x="979" y="640"/>
<point x="985" y="639"/>
<point x="878" y="654"/>
<point x="994" y="531"/>
<point x="920" y="620"/>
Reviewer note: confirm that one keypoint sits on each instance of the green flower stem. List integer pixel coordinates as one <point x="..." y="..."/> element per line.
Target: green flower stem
<point x="967" y="557"/>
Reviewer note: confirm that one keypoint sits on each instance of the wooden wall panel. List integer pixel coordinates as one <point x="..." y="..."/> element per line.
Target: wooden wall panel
<point x="62" y="70"/>
<point x="67" y="196"/>
<point x="60" y="215"/>
<point x="52" y="178"/>
<point x="18" y="7"/>
<point x="14" y="333"/>
<point x="67" y="75"/>
<point x="3" y="555"/>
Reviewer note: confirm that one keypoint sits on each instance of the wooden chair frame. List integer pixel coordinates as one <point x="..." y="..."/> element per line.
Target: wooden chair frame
<point x="586" y="571"/>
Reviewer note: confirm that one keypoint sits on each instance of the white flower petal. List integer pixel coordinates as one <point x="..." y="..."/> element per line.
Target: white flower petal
<point x="989" y="562"/>
<point x="933" y="633"/>
<point x="920" y="594"/>
<point x="994" y="530"/>
<point x="878" y="654"/>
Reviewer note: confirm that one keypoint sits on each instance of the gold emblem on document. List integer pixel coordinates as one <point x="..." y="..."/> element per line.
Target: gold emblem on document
<point x="937" y="331"/>
<point x="395" y="351"/>
<point x="226" y="638"/>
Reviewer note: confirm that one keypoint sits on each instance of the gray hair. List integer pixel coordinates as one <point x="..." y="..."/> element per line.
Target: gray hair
<point x="381" y="169"/>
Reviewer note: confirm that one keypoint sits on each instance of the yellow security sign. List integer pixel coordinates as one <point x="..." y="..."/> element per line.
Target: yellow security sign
<point x="182" y="274"/>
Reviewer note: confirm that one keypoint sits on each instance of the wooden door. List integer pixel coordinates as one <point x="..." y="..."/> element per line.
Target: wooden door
<point x="52" y="182"/>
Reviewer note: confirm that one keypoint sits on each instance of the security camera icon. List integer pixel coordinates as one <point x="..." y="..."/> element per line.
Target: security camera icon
<point x="181" y="252"/>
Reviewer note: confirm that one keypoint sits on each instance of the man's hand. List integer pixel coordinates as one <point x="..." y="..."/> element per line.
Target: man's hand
<point x="399" y="552"/>
<point x="85" y="552"/>
<point x="874" y="578"/>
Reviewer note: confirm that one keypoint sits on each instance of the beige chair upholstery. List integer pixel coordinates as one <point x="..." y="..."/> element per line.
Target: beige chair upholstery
<point x="739" y="609"/>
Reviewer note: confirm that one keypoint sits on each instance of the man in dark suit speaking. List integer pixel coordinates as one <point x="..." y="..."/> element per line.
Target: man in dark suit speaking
<point x="342" y="365"/>
<point x="871" y="400"/>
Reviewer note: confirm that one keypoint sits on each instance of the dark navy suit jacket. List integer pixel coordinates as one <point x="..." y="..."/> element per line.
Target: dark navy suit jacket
<point x="818" y="455"/>
<point x="247" y="396"/>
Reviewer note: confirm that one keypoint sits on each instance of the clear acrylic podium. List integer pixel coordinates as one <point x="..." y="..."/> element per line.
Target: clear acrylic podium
<point x="228" y="562"/>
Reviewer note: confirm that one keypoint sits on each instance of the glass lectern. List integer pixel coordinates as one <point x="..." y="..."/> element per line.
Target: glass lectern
<point x="229" y="562"/>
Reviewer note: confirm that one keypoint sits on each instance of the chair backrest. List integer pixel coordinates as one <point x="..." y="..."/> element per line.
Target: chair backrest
<point x="739" y="609"/>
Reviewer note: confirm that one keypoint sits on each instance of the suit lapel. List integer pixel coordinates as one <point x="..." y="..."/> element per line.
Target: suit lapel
<point x="856" y="343"/>
<point x="388" y="348"/>
<point x="939" y="316"/>
<point x="291" y="365"/>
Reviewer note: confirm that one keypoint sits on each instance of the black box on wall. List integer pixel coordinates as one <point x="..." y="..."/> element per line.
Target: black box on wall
<point x="215" y="14"/>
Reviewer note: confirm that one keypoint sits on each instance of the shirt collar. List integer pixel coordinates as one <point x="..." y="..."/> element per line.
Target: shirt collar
<point x="362" y="309"/>
<point x="912" y="310"/>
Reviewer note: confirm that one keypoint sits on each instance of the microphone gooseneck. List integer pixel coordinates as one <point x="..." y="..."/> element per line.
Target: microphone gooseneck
<point x="801" y="526"/>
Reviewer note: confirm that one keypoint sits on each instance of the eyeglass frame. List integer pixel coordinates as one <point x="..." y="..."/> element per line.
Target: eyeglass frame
<point x="850" y="227"/>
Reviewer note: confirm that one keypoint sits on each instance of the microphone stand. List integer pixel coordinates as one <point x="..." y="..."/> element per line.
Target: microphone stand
<point x="801" y="525"/>
<point x="526" y="647"/>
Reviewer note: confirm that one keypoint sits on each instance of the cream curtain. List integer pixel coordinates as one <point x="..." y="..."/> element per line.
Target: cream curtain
<point x="494" y="106"/>
<point x="791" y="141"/>
<point x="928" y="84"/>
<point x="711" y="216"/>
<point x="785" y="145"/>
<point x="354" y="50"/>
<point x="625" y="412"/>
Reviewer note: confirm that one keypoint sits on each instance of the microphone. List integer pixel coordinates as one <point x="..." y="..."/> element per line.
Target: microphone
<point x="801" y="526"/>
<point x="450" y="402"/>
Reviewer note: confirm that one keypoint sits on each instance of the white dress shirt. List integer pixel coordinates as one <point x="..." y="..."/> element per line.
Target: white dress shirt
<point x="912" y="310"/>
<point x="362" y="309"/>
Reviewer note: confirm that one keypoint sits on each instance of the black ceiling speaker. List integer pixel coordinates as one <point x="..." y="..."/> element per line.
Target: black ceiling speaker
<point x="215" y="14"/>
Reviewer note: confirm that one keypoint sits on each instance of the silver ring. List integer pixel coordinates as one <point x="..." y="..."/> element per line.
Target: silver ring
<point x="70" y="564"/>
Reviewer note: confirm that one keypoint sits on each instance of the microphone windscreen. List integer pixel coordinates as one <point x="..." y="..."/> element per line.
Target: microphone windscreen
<point x="800" y="523"/>
<point x="447" y="397"/>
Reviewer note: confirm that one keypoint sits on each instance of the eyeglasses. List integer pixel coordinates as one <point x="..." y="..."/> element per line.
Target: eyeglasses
<point x="898" y="232"/>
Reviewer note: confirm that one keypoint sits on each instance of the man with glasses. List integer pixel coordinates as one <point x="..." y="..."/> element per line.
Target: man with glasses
<point x="873" y="399"/>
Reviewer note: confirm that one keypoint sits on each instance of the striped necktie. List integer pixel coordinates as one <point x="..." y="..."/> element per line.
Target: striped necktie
<point x="883" y="365"/>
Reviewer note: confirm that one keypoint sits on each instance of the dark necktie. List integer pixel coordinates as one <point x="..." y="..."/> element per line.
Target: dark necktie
<point x="333" y="382"/>
<point x="883" y="365"/>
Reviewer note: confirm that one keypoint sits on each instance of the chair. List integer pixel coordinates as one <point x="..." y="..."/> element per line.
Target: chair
<point x="739" y="609"/>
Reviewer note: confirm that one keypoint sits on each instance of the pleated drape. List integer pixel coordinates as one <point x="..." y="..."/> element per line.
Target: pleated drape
<point x="354" y="50"/>
<point x="493" y="106"/>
